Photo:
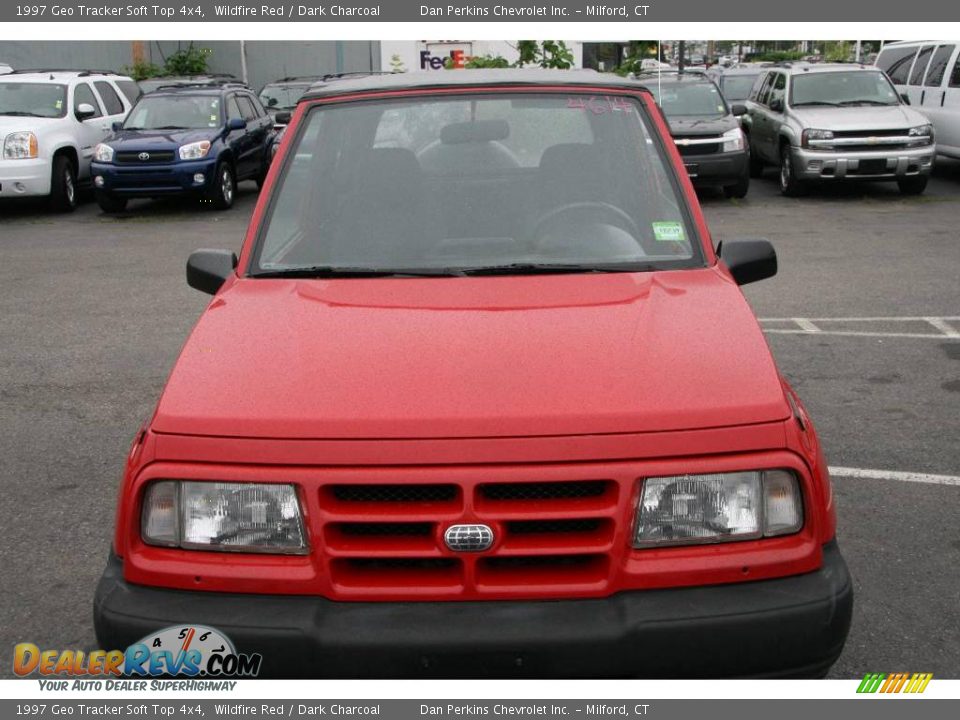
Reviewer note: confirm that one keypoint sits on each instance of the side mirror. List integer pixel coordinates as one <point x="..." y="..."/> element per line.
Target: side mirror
<point x="905" y="98"/>
<point x="738" y="109"/>
<point x="117" y="125"/>
<point x="236" y="124"/>
<point x="207" y="270"/>
<point x="282" y="117"/>
<point x="749" y="260"/>
<point x="85" y="110"/>
<point x="776" y="105"/>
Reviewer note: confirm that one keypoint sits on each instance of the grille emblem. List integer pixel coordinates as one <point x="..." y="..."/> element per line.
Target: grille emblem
<point x="468" y="538"/>
<point x="144" y="156"/>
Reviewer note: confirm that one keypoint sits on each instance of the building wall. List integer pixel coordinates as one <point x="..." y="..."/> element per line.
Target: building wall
<point x="266" y="60"/>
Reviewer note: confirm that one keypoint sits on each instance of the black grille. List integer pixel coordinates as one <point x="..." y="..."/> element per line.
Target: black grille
<point x="403" y="563"/>
<point x="385" y="529"/>
<point x="872" y="167"/>
<point x="900" y="132"/>
<point x="544" y="490"/>
<point x="692" y="150"/>
<point x="133" y="158"/>
<point x="395" y="493"/>
<point x="543" y="527"/>
<point x="539" y="561"/>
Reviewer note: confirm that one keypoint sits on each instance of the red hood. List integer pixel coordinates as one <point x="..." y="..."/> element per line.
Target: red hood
<point x="473" y="357"/>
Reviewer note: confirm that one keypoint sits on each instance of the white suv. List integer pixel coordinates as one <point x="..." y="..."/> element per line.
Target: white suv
<point x="50" y="123"/>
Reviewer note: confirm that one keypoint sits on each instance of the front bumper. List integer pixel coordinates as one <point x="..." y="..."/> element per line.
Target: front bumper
<point x="716" y="169"/>
<point x="25" y="178"/>
<point x="788" y="627"/>
<point x="153" y="180"/>
<point x="874" y="165"/>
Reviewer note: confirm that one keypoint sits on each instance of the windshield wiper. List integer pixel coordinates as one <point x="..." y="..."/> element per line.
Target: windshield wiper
<point x="332" y="271"/>
<point x="169" y="127"/>
<point x="866" y="102"/>
<point x="555" y="268"/>
<point x="816" y="102"/>
<point x="21" y="113"/>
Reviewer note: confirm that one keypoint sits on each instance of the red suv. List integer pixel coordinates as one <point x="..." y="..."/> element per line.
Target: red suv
<point x="480" y="398"/>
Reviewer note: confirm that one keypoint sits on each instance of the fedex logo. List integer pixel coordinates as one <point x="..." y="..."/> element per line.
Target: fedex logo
<point x="429" y="61"/>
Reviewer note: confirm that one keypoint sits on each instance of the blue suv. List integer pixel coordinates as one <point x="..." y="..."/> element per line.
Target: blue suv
<point x="198" y="140"/>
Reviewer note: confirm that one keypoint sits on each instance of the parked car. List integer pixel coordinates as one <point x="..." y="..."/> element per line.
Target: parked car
<point x="705" y="129"/>
<point x="736" y="82"/>
<point x="834" y="122"/>
<point x="481" y="398"/>
<point x="151" y="84"/>
<point x="196" y="140"/>
<point x="282" y="95"/>
<point x="928" y="73"/>
<point x="50" y="122"/>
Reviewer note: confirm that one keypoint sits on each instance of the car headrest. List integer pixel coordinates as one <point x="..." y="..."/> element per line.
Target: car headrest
<point x="389" y="165"/>
<point x="569" y="157"/>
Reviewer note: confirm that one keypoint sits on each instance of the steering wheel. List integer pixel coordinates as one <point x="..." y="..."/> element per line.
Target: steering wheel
<point x="602" y="212"/>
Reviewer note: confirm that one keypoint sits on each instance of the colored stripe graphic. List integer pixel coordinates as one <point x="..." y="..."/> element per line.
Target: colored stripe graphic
<point x="894" y="683"/>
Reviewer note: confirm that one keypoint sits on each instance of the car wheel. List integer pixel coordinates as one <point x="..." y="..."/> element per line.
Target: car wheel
<point x="63" y="185"/>
<point x="912" y="185"/>
<point x="111" y="203"/>
<point x="739" y="189"/>
<point x="755" y="163"/>
<point x="224" y="187"/>
<point x="789" y="184"/>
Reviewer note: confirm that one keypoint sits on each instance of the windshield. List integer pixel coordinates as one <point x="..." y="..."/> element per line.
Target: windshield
<point x="689" y="99"/>
<point x="33" y="99"/>
<point x="738" y="87"/>
<point x="486" y="184"/>
<point x="282" y="97"/>
<point x="174" y="112"/>
<point x="842" y="88"/>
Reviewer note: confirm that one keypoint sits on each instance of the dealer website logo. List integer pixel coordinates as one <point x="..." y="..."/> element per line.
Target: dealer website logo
<point x="895" y="683"/>
<point x="180" y="650"/>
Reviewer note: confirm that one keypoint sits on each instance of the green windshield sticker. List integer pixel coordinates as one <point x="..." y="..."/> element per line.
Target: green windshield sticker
<point x="668" y="232"/>
<point x="59" y="104"/>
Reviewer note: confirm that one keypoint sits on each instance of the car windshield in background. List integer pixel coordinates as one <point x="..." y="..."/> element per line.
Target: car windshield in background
<point x="174" y="112"/>
<point x="689" y="99"/>
<point x="842" y="88"/>
<point x="488" y="184"/>
<point x="43" y="100"/>
<point x="738" y="87"/>
<point x="282" y="97"/>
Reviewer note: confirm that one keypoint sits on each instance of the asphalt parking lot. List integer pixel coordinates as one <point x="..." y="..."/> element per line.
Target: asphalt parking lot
<point x="863" y="320"/>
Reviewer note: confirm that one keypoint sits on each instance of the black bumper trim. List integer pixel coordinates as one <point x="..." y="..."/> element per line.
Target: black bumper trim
<point x="788" y="627"/>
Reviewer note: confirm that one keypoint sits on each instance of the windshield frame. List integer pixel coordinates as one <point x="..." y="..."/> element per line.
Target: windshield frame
<point x="63" y="88"/>
<point x="249" y="265"/>
<point x="883" y="78"/>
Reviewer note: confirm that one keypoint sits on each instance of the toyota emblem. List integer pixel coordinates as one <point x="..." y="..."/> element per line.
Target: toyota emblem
<point x="144" y="156"/>
<point x="468" y="538"/>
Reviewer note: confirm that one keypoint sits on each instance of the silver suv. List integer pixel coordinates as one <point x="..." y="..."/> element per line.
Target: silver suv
<point x="836" y="122"/>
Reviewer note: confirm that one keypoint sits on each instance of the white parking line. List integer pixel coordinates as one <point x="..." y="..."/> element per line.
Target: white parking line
<point x="835" y="326"/>
<point x="896" y="475"/>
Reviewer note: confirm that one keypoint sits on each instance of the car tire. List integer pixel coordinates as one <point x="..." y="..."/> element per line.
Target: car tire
<point x="754" y="161"/>
<point x="738" y="189"/>
<point x="111" y="203"/>
<point x="912" y="185"/>
<point x="789" y="184"/>
<point x="224" y="188"/>
<point x="63" y="185"/>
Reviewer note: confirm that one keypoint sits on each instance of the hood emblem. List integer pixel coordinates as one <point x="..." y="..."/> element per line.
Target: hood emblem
<point x="468" y="538"/>
<point x="144" y="156"/>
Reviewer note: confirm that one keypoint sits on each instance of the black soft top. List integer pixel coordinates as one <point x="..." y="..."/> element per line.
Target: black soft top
<point x="468" y="78"/>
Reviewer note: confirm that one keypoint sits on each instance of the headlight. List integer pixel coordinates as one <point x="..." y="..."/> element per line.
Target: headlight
<point x="103" y="153"/>
<point x="814" y="134"/>
<point x="20" y="146"/>
<point x="195" y="151"/>
<point x="923" y="134"/>
<point x="733" y="140"/>
<point x="723" y="507"/>
<point x="237" y="517"/>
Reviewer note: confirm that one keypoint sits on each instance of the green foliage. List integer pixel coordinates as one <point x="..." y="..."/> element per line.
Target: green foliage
<point x="478" y="62"/>
<point x="778" y="56"/>
<point x="548" y="54"/>
<point x="841" y="51"/>
<point x="190" y="61"/>
<point x="142" y="70"/>
<point x="396" y="64"/>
